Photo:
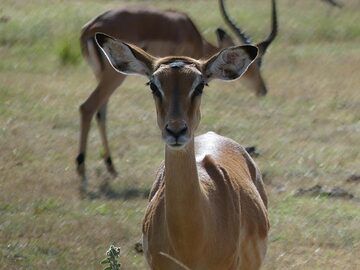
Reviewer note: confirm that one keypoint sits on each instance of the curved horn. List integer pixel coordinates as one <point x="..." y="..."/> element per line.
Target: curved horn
<point x="274" y="29"/>
<point x="239" y="33"/>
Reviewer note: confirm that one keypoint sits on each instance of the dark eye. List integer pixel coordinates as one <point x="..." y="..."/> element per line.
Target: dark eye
<point x="198" y="90"/>
<point x="155" y="89"/>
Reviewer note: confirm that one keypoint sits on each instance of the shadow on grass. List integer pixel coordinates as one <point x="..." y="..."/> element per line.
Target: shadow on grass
<point x="129" y="193"/>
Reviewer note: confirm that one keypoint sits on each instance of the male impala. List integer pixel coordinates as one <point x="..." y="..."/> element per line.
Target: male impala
<point x="208" y="207"/>
<point x="159" y="33"/>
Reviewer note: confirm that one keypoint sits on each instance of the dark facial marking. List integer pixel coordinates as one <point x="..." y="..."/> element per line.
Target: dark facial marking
<point x="154" y="89"/>
<point x="176" y="64"/>
<point x="198" y="89"/>
<point x="176" y="92"/>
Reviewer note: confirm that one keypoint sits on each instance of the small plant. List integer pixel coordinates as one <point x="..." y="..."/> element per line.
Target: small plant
<point x="112" y="258"/>
<point x="67" y="53"/>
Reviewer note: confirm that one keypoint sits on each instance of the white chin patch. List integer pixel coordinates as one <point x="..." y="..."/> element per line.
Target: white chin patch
<point x="178" y="143"/>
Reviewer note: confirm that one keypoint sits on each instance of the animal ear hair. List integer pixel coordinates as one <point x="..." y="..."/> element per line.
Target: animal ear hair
<point x="125" y="58"/>
<point x="230" y="63"/>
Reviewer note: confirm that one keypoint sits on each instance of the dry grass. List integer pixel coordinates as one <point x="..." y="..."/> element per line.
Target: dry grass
<point x="307" y="130"/>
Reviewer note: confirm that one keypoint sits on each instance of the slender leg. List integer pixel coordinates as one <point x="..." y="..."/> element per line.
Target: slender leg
<point x="95" y="101"/>
<point x="87" y="110"/>
<point x="101" y="120"/>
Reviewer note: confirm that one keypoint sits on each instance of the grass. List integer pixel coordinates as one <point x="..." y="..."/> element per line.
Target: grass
<point x="67" y="53"/>
<point x="306" y="129"/>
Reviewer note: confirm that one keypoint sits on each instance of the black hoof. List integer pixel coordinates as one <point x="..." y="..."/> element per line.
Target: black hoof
<point x="110" y="167"/>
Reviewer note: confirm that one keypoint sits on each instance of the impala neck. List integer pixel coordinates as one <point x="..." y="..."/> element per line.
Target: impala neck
<point x="183" y="198"/>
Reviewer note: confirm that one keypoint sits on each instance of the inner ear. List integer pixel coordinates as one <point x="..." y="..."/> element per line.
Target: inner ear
<point x="251" y="51"/>
<point x="125" y="58"/>
<point x="230" y="63"/>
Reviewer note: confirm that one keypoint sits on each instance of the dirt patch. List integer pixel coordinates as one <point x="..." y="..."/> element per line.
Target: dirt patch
<point x="354" y="178"/>
<point x="318" y="190"/>
<point x="4" y="19"/>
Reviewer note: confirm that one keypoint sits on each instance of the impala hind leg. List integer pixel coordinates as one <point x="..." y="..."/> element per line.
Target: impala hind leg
<point x="98" y="98"/>
<point x="101" y="120"/>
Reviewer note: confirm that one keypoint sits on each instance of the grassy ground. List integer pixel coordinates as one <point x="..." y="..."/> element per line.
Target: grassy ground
<point x="307" y="130"/>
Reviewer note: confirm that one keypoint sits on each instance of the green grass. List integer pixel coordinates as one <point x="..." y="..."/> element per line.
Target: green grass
<point x="306" y="129"/>
<point x="67" y="53"/>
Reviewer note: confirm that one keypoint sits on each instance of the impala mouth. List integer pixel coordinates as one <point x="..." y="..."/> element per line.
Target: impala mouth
<point x="176" y="145"/>
<point x="176" y="142"/>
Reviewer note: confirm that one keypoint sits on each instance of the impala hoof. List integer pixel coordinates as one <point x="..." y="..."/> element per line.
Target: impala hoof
<point x="110" y="167"/>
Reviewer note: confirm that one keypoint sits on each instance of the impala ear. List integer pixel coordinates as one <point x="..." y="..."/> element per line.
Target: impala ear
<point x="125" y="58"/>
<point x="230" y="63"/>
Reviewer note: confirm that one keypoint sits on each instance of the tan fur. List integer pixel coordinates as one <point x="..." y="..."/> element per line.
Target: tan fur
<point x="207" y="208"/>
<point x="231" y="220"/>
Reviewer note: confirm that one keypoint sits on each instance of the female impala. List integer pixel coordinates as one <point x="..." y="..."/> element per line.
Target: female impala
<point x="208" y="207"/>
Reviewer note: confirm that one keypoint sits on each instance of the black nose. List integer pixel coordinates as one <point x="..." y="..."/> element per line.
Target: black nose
<point x="176" y="130"/>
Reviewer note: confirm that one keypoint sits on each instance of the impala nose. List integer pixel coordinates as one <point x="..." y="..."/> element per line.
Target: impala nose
<point x="176" y="130"/>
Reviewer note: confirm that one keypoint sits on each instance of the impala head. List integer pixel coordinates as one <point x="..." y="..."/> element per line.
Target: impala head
<point x="253" y="77"/>
<point x="177" y="82"/>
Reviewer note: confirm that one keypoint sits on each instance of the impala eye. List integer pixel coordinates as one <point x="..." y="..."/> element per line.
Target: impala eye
<point x="199" y="89"/>
<point x="154" y="89"/>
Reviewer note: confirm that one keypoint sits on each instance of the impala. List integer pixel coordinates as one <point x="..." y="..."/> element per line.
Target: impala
<point x="159" y="33"/>
<point x="207" y="208"/>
